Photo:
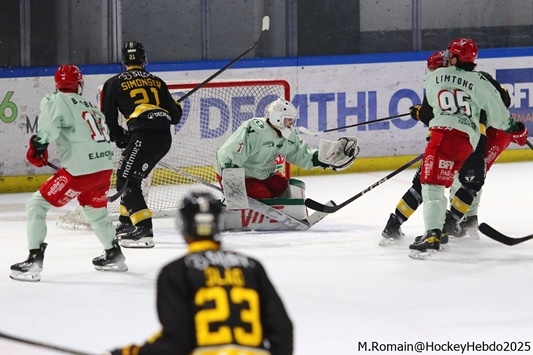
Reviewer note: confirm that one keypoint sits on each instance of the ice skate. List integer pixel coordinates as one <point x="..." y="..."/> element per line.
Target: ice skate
<point x="427" y="245"/>
<point x="443" y="240"/>
<point x="111" y="260"/>
<point x="123" y="229"/>
<point x="141" y="237"/>
<point x="392" y="231"/>
<point x="30" y="269"/>
<point x="452" y="226"/>
<point x="470" y="226"/>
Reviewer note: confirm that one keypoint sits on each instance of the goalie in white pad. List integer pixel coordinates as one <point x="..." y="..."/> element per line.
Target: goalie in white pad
<point x="261" y="146"/>
<point x="234" y="188"/>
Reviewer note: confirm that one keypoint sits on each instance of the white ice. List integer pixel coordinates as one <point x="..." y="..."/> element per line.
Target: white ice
<point x="340" y="288"/>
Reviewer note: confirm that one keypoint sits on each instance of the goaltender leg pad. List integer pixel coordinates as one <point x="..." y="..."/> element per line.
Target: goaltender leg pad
<point x="296" y="189"/>
<point x="338" y="155"/>
<point x="259" y="219"/>
<point x="234" y="188"/>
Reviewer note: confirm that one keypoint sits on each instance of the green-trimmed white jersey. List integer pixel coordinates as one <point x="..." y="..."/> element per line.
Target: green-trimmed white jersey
<point x="256" y="147"/>
<point x="78" y="127"/>
<point x="458" y="96"/>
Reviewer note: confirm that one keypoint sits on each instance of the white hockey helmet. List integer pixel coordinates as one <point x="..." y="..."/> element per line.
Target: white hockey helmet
<point x="282" y="115"/>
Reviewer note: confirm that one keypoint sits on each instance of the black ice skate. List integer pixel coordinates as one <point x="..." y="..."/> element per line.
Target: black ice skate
<point x="428" y="244"/>
<point x="141" y="237"/>
<point x="30" y="269"/>
<point x="111" y="260"/>
<point x="443" y="239"/>
<point x="470" y="226"/>
<point x="452" y="226"/>
<point x="392" y="231"/>
<point x="123" y="229"/>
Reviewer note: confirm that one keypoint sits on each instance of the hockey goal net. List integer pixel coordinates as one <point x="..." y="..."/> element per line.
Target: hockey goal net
<point x="210" y="116"/>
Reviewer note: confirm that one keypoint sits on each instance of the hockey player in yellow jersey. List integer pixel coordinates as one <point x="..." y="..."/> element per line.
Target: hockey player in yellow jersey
<point x="214" y="301"/>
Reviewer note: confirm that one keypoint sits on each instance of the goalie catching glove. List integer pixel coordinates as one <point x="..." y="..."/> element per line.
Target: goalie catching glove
<point x="338" y="155"/>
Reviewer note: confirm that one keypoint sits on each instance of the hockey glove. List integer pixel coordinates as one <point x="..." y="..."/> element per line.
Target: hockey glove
<point x="338" y="155"/>
<point x="37" y="153"/>
<point x="415" y="111"/>
<point x="519" y="134"/>
<point x="121" y="138"/>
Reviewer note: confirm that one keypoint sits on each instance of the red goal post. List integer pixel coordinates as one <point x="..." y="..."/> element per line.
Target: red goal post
<point x="210" y="116"/>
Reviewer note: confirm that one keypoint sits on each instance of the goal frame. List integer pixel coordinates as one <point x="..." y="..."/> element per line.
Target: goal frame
<point x="179" y="89"/>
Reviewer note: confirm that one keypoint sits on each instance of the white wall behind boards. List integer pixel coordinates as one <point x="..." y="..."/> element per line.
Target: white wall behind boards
<point x="327" y="96"/>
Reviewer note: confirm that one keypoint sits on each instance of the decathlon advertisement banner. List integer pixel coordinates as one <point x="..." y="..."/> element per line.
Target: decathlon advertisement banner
<point x="329" y="92"/>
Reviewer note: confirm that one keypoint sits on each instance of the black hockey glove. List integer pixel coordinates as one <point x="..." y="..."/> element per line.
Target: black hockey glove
<point x="121" y="138"/>
<point x="415" y="111"/>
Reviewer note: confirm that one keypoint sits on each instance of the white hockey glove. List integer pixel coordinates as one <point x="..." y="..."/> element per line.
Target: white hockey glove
<point x="338" y="155"/>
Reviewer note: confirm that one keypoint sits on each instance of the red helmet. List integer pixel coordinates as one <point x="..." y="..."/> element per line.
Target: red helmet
<point x="464" y="49"/>
<point x="69" y="78"/>
<point x="436" y="60"/>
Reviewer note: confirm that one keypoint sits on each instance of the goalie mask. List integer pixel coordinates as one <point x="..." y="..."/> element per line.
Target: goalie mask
<point x="282" y="115"/>
<point x="68" y="78"/>
<point x="200" y="216"/>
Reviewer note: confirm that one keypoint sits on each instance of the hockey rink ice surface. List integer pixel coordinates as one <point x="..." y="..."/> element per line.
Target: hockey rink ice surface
<point x="341" y="289"/>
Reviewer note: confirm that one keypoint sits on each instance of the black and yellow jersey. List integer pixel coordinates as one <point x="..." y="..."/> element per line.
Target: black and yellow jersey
<point x="214" y="301"/>
<point x="142" y="98"/>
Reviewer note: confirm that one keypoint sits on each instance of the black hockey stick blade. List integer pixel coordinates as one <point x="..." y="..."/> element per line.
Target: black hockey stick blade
<point x="265" y="28"/>
<point x="43" y="345"/>
<point x="317" y="206"/>
<point x="502" y="238"/>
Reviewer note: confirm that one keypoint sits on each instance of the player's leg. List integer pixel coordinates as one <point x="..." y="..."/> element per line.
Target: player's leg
<point x="464" y="191"/>
<point x="93" y="200"/>
<point x="405" y="208"/>
<point x="57" y="192"/>
<point x="444" y="155"/>
<point x="140" y="157"/>
<point x="30" y="269"/>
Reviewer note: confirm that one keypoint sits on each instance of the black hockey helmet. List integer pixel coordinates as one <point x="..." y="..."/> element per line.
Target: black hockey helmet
<point x="133" y="53"/>
<point x="199" y="216"/>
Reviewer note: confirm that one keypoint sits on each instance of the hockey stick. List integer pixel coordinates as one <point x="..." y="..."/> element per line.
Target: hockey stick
<point x="43" y="345"/>
<point x="330" y="209"/>
<point x="529" y="144"/>
<point x="266" y="26"/>
<point x="110" y="198"/>
<point x="502" y="238"/>
<point x="260" y="207"/>
<point x="306" y="131"/>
